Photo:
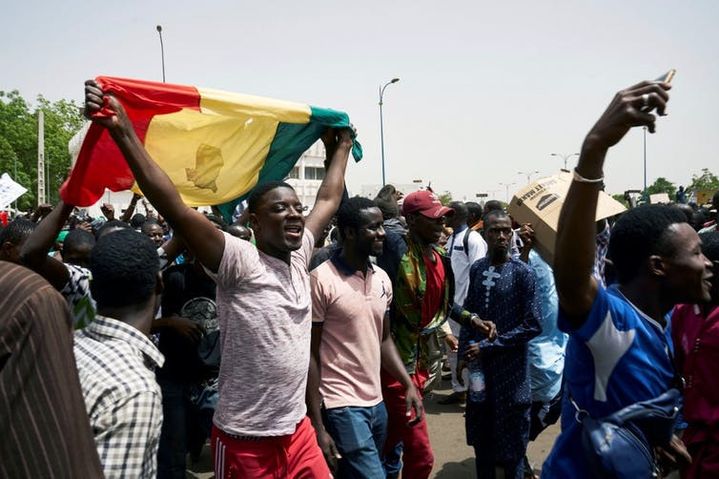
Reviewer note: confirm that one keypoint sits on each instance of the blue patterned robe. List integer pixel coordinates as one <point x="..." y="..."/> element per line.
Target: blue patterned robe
<point x="504" y="294"/>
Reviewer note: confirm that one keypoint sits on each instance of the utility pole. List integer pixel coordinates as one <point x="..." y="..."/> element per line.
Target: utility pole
<point x="40" y="157"/>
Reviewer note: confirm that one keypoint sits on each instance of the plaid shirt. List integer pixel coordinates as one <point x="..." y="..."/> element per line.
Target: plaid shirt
<point x="116" y="365"/>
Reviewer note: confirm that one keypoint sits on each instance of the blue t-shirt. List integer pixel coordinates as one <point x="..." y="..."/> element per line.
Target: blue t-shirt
<point x="618" y="357"/>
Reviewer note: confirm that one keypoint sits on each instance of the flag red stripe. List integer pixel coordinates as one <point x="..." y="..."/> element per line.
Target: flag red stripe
<point x="100" y="163"/>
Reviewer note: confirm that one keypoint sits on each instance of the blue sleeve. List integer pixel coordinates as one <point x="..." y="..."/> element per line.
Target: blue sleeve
<point x="529" y="327"/>
<point x="595" y="317"/>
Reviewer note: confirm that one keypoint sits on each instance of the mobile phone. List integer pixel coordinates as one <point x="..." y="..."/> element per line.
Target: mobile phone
<point x="667" y="77"/>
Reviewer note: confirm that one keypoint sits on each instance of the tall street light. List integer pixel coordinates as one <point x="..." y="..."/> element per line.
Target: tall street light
<point x="507" y="185"/>
<point x="162" y="52"/>
<point x="381" y="121"/>
<point x="565" y="158"/>
<point x="529" y="174"/>
<point x="644" y="192"/>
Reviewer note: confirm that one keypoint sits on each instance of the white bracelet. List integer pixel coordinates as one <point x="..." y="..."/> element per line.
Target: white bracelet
<point x="579" y="178"/>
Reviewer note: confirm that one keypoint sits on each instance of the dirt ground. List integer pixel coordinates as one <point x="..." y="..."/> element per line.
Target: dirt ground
<point x="453" y="458"/>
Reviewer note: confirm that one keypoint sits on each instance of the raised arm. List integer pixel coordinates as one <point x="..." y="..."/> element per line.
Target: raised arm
<point x="200" y="235"/>
<point x="575" y="246"/>
<point x="338" y="145"/>
<point x="127" y="215"/>
<point x="34" y="253"/>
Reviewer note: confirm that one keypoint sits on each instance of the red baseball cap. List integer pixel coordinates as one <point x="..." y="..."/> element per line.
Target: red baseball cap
<point x="426" y="203"/>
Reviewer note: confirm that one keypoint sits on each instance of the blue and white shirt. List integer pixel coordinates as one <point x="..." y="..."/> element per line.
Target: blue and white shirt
<point x="618" y="357"/>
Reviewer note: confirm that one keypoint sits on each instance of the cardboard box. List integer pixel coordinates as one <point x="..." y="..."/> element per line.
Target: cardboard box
<point x="540" y="202"/>
<point x="659" y="198"/>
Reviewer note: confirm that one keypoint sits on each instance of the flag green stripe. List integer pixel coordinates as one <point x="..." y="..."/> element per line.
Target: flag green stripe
<point x="290" y="141"/>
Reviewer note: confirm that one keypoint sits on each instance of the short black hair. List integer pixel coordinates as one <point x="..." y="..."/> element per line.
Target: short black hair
<point x="150" y="222"/>
<point x="78" y="238"/>
<point x="17" y="231"/>
<point x="499" y="214"/>
<point x="640" y="233"/>
<point x="348" y="215"/>
<point x="388" y="207"/>
<point x="137" y="220"/>
<point x="474" y="210"/>
<point x="110" y="225"/>
<point x="124" y="268"/>
<point x="461" y="212"/>
<point x="255" y="198"/>
<point x="710" y="245"/>
<point x="493" y="205"/>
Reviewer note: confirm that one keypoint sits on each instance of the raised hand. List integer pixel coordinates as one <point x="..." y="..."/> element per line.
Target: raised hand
<point x="108" y="211"/>
<point x="629" y="108"/>
<point x="104" y="109"/>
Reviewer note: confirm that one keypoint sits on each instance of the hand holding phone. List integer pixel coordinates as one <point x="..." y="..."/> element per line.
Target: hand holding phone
<point x="667" y="77"/>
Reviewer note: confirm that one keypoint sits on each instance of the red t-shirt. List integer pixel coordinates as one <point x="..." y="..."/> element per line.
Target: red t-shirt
<point x="696" y="345"/>
<point x="434" y="293"/>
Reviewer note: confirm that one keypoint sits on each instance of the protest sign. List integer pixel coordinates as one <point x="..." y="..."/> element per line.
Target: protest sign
<point x="9" y="190"/>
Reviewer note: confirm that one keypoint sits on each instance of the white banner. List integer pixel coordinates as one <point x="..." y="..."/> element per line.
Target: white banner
<point x="9" y="190"/>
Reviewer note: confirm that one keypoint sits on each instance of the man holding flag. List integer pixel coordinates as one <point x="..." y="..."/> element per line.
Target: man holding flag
<point x="263" y="295"/>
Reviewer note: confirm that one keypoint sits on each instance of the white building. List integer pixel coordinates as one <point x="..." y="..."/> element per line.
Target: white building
<point x="307" y="175"/>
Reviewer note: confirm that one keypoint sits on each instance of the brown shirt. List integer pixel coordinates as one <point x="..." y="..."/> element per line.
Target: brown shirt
<point x="45" y="428"/>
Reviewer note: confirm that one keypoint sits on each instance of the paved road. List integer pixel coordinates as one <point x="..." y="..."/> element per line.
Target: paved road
<point x="453" y="458"/>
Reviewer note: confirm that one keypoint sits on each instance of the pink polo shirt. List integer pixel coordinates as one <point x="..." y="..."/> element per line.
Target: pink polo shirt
<point x="263" y="307"/>
<point x="351" y="306"/>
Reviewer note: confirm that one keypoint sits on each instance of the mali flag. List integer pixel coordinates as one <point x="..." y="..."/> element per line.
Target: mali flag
<point x="215" y="146"/>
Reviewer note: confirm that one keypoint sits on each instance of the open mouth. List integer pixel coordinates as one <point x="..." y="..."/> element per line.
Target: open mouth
<point x="293" y="231"/>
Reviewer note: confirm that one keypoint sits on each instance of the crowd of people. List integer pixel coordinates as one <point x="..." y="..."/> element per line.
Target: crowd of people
<point x="304" y="346"/>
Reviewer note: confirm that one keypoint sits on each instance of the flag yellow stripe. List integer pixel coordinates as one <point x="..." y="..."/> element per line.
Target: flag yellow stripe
<point x="225" y="103"/>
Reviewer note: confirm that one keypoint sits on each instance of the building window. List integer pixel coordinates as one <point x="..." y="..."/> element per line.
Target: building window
<point x="314" y="173"/>
<point x="295" y="173"/>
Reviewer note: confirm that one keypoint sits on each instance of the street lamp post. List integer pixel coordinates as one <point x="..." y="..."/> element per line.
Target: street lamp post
<point x="507" y="185"/>
<point x="565" y="158"/>
<point x="381" y="122"/>
<point x="529" y="174"/>
<point x="14" y="168"/>
<point x="162" y="52"/>
<point x="644" y="192"/>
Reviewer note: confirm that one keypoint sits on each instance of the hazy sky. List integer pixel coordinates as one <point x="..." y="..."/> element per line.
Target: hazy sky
<point x="487" y="89"/>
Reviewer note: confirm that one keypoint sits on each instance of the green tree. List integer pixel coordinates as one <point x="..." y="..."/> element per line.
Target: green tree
<point x="620" y="198"/>
<point x="704" y="181"/>
<point x="445" y="198"/>
<point x="18" y="142"/>
<point x="662" y="185"/>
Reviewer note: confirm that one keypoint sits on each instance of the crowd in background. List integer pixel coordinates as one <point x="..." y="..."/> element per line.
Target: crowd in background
<point x="304" y="346"/>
